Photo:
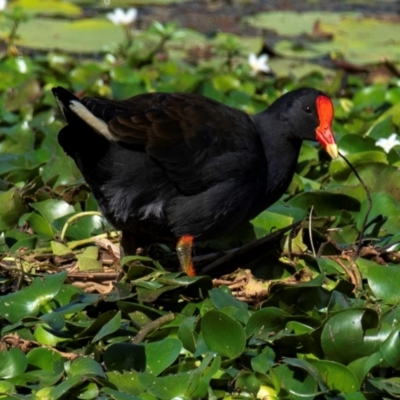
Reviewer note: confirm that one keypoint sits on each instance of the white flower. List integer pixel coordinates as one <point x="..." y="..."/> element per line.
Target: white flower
<point x="121" y="17"/>
<point x="259" y="64"/>
<point x="3" y="4"/>
<point x="389" y="143"/>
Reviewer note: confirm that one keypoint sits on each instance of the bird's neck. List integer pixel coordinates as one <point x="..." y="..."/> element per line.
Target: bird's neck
<point x="281" y="151"/>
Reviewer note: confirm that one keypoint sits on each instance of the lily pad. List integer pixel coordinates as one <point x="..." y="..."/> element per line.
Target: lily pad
<point x="85" y="35"/>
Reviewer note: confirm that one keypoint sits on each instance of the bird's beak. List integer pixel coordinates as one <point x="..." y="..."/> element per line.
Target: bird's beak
<point x="327" y="140"/>
<point x="332" y="150"/>
<point x="324" y="132"/>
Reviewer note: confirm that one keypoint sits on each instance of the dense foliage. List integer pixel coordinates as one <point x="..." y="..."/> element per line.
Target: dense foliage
<point x="320" y="319"/>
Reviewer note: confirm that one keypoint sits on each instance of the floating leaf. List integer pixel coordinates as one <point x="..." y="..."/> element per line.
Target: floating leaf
<point x="214" y="324"/>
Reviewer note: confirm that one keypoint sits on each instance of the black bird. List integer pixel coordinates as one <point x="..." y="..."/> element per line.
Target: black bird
<point x="184" y="167"/>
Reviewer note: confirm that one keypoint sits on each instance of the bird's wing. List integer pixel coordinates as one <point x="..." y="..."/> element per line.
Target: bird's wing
<point x="197" y="141"/>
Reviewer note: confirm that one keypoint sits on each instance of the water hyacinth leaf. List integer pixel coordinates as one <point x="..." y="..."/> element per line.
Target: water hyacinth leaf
<point x="350" y="144"/>
<point x="120" y="395"/>
<point x="27" y="302"/>
<point x="202" y="376"/>
<point x="166" y="387"/>
<point x="378" y="178"/>
<point x="149" y="312"/>
<point x="150" y="292"/>
<point x="248" y="382"/>
<point x="110" y="327"/>
<point x="13" y="362"/>
<point x="52" y="209"/>
<point x="86" y="366"/>
<point x="384" y="282"/>
<point x="294" y="382"/>
<point x="82" y="227"/>
<point x="265" y="321"/>
<point x="45" y="359"/>
<point x="214" y="326"/>
<point x="225" y="83"/>
<point x="370" y="96"/>
<point x="160" y="355"/>
<point x="336" y="376"/>
<point x="126" y="382"/>
<point x="60" y="170"/>
<point x="229" y="305"/>
<point x="187" y="334"/>
<point x="125" y="357"/>
<point x="7" y="388"/>
<point x="325" y="203"/>
<point x="341" y="171"/>
<point x="362" y="366"/>
<point x="47" y="337"/>
<point x="267" y="221"/>
<point x="96" y="325"/>
<point x="263" y="361"/>
<point x="220" y="299"/>
<point x="382" y="204"/>
<point x="391" y="350"/>
<point x="351" y="334"/>
<point x="65" y="386"/>
<point x="54" y="320"/>
<point x="391" y="385"/>
<point x="11" y="208"/>
<point x="89" y="390"/>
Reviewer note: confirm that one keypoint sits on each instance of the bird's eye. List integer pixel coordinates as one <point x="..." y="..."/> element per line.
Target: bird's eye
<point x="308" y="110"/>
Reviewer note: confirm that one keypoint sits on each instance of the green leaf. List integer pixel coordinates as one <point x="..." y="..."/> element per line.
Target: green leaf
<point x="264" y="361"/>
<point x="125" y="357"/>
<point x="65" y="386"/>
<point x="11" y="208"/>
<point x="265" y="321"/>
<point x="187" y="334"/>
<point x="325" y="203"/>
<point x="88" y="259"/>
<point x="12" y="363"/>
<point x="51" y="7"/>
<point x="350" y="334"/>
<point x="86" y="366"/>
<point x="27" y="302"/>
<point x="384" y="282"/>
<point x="110" y="327"/>
<point x="214" y="326"/>
<point x="166" y="387"/>
<point x="84" y="35"/>
<point x="294" y="382"/>
<point x="337" y="376"/>
<point x="362" y="366"/>
<point x="160" y="355"/>
<point x="59" y="249"/>
<point x="52" y="209"/>
<point x="390" y="349"/>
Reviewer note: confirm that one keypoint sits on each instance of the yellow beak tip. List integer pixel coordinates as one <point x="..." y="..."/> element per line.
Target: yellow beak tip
<point x="332" y="150"/>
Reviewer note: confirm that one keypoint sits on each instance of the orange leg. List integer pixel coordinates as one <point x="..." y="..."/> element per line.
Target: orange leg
<point x="184" y="252"/>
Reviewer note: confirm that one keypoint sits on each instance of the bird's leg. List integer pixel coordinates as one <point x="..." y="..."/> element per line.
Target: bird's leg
<point x="184" y="252"/>
<point x="128" y="244"/>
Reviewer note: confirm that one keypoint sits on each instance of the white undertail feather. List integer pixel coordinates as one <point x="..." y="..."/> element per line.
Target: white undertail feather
<point x="96" y="123"/>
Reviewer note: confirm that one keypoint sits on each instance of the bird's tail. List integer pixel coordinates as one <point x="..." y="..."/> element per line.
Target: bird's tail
<point x="73" y="109"/>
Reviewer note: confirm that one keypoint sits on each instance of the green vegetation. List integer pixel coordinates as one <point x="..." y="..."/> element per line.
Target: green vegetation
<point x="76" y="322"/>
